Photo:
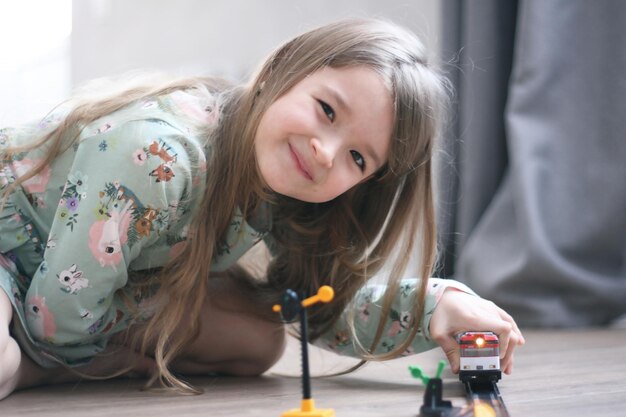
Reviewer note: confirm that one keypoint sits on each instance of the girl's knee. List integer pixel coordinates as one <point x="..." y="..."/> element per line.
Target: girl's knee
<point x="236" y="335"/>
<point x="256" y="347"/>
<point x="250" y="349"/>
<point x="264" y="351"/>
<point x="233" y="340"/>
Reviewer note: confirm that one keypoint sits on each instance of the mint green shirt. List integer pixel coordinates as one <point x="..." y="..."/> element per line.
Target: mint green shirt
<point x="120" y="200"/>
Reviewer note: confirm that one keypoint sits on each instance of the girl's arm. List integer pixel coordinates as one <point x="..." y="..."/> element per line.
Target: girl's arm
<point x="450" y="308"/>
<point x="126" y="186"/>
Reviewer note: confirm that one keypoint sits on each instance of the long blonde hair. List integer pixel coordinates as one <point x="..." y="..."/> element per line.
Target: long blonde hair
<point x="343" y="242"/>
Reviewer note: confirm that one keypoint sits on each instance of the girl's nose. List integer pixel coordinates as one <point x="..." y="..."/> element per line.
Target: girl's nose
<point x="323" y="152"/>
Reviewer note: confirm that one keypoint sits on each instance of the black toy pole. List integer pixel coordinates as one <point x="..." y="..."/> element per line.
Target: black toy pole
<point x="291" y="305"/>
<point x="304" y="339"/>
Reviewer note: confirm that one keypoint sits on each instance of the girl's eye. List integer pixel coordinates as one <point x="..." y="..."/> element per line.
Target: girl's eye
<point x="358" y="158"/>
<point x="328" y="111"/>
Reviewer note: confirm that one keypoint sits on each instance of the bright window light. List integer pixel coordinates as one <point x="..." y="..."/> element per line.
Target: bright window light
<point x="31" y="27"/>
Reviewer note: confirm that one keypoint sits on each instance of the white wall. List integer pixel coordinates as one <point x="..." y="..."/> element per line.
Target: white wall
<point x="34" y="57"/>
<point x="219" y="37"/>
<point x="48" y="47"/>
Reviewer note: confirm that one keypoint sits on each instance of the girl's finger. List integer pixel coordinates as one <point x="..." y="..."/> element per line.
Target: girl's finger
<point x="507" y="317"/>
<point x="508" y="368"/>
<point x="507" y="359"/>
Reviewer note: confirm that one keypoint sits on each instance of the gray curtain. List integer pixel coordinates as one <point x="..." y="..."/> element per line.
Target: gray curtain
<point x="532" y="181"/>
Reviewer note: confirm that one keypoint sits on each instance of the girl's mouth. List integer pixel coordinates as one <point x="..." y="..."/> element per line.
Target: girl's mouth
<point x="301" y="167"/>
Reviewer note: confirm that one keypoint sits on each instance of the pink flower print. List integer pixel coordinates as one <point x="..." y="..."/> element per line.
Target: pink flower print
<point x="39" y="319"/>
<point x="106" y="237"/>
<point x="395" y="329"/>
<point x="364" y="312"/>
<point x="36" y="184"/>
<point x="41" y="202"/>
<point x="105" y="127"/>
<point x="400" y="321"/>
<point x="139" y="157"/>
<point x="192" y="108"/>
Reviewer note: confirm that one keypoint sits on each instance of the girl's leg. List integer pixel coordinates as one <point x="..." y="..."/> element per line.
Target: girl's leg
<point x="115" y="359"/>
<point x="10" y="357"/>
<point x="234" y="338"/>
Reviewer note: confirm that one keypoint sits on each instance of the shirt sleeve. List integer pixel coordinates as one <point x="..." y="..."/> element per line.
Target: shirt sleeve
<point x="125" y="191"/>
<point x="366" y="310"/>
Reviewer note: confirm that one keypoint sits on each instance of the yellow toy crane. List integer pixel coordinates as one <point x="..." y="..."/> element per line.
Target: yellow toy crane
<point x="289" y="308"/>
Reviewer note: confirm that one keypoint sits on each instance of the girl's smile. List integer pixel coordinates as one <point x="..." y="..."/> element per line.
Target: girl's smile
<point x="300" y="164"/>
<point x="328" y="133"/>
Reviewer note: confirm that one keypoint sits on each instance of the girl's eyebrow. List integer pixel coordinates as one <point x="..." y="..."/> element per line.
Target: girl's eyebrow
<point x="338" y="97"/>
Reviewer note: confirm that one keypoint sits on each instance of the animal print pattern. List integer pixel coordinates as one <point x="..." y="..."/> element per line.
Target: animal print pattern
<point x="367" y="312"/>
<point x="119" y="200"/>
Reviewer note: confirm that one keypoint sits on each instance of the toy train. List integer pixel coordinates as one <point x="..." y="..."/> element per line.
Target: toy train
<point x="480" y="357"/>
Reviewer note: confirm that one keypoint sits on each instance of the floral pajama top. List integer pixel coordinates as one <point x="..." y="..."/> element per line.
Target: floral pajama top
<point x="119" y="200"/>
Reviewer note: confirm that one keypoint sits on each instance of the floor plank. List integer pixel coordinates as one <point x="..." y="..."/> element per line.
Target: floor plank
<point x="558" y="373"/>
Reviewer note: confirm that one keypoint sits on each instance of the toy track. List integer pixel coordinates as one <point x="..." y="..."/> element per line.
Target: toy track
<point x="485" y="399"/>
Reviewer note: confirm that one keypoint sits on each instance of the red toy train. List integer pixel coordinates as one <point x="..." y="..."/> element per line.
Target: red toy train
<point x="480" y="357"/>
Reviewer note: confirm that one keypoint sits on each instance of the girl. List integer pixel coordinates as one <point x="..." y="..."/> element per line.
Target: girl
<point x="123" y="218"/>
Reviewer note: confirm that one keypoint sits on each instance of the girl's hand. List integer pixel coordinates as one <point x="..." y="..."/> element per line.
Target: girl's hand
<point x="459" y="312"/>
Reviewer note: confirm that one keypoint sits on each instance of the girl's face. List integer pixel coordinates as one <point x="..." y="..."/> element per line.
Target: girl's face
<point x="328" y="133"/>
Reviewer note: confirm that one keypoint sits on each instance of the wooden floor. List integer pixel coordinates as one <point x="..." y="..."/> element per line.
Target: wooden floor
<point x="558" y="373"/>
